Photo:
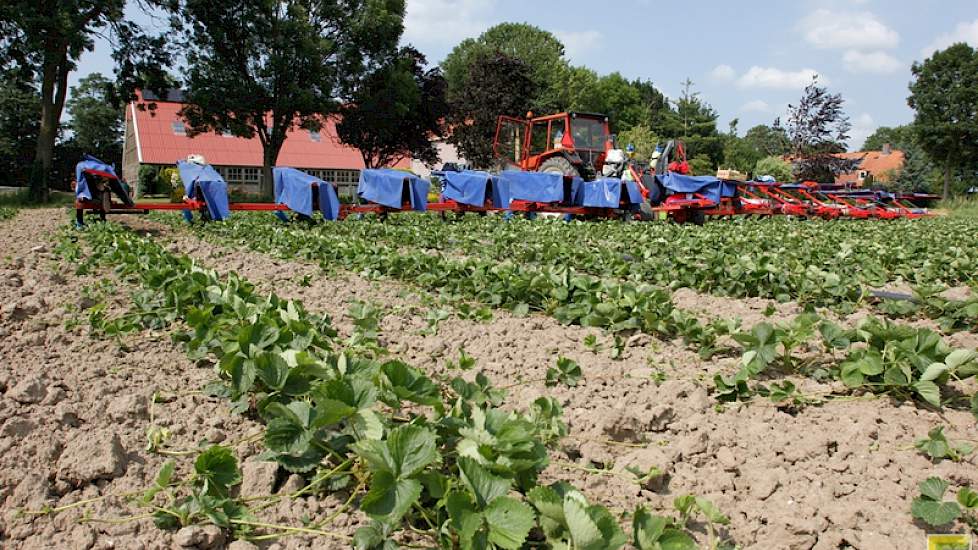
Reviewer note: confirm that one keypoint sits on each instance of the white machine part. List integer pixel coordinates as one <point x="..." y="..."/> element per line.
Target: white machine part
<point x="196" y="159"/>
<point x="614" y="163"/>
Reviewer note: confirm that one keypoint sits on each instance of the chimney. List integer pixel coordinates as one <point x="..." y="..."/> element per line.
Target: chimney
<point x="887" y="149"/>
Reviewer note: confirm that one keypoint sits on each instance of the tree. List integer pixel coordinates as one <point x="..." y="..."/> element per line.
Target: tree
<point x="46" y="39"/>
<point x="396" y="111"/>
<point x="539" y="50"/>
<point x="19" y="123"/>
<point x="694" y="122"/>
<point x="767" y="140"/>
<point x="96" y="120"/>
<point x="610" y="95"/>
<point x="944" y="93"/>
<point x="817" y="129"/>
<point x="654" y="102"/>
<point x="642" y="138"/>
<point x="898" y="137"/>
<point x="702" y="165"/>
<point x="265" y="67"/>
<point x="773" y="166"/>
<point x="496" y="84"/>
<point x="739" y="154"/>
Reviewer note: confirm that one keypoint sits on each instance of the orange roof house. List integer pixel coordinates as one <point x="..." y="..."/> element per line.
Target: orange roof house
<point x="881" y="165"/>
<point x="158" y="137"/>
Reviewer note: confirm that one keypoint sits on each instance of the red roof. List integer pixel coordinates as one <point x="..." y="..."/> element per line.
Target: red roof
<point x="159" y="143"/>
<point x="881" y="165"/>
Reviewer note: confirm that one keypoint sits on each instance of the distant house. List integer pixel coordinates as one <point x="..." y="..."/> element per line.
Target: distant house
<point x="882" y="165"/>
<point x="157" y="136"/>
<point x="447" y="153"/>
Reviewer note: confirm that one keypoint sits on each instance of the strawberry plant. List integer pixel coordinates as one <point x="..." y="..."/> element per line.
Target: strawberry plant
<point x="937" y="446"/>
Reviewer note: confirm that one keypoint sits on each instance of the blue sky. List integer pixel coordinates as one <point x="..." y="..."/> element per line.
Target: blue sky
<point x="747" y="58"/>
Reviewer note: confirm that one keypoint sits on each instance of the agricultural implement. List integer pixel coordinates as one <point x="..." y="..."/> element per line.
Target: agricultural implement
<point x="629" y="193"/>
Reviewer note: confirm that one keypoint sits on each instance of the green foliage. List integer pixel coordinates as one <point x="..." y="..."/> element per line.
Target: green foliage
<point x="203" y="497"/>
<point x="538" y="50"/>
<point x="96" y="120"/>
<point x="768" y="141"/>
<point x="396" y="111"/>
<point x="147" y="180"/>
<point x="642" y="137"/>
<point x="943" y="94"/>
<point x="495" y="84"/>
<point x="937" y="446"/>
<point x="20" y="110"/>
<point x="773" y="166"/>
<point x="567" y="372"/>
<point x="702" y="165"/>
<point x="260" y="72"/>
<point x="930" y="506"/>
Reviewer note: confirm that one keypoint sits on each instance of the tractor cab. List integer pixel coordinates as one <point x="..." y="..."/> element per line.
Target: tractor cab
<point x="572" y="144"/>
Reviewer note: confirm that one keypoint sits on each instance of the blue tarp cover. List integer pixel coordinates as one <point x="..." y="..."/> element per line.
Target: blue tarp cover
<point x="708" y="186"/>
<point x="606" y="193"/>
<point x="212" y="185"/>
<point x="384" y="186"/>
<point x="293" y="189"/>
<point x="469" y="187"/>
<point x="538" y="186"/>
<point x="88" y="162"/>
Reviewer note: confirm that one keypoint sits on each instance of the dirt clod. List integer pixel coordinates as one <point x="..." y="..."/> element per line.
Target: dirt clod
<point x="258" y="477"/>
<point x="91" y="456"/>
<point x="29" y="390"/>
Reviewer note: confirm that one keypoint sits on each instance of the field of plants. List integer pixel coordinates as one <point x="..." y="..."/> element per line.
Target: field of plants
<point x="467" y="382"/>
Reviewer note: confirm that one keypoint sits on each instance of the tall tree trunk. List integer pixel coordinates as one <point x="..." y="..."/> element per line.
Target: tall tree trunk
<point x="270" y="157"/>
<point x="54" y="88"/>
<point x="947" y="179"/>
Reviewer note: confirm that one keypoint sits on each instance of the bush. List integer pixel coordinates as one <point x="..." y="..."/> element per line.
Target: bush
<point x="773" y="166"/>
<point x="147" y="179"/>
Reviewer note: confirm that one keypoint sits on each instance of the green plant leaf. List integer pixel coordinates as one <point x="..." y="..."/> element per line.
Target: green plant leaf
<point x="509" y="522"/>
<point x="484" y="486"/>
<point x="217" y="469"/>
<point x="933" y="488"/>
<point x="968" y="498"/>
<point x="389" y="498"/>
<point x="928" y="391"/>
<point x="935" y="513"/>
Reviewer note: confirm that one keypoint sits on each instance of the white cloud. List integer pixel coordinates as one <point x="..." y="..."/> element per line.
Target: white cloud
<point x="862" y="127"/>
<point x="723" y="72"/>
<point x="578" y="43"/>
<point x="964" y="32"/>
<point x="826" y="29"/>
<point x="756" y="106"/>
<point x="870" y="62"/>
<point x="771" y="77"/>
<point x="446" y="22"/>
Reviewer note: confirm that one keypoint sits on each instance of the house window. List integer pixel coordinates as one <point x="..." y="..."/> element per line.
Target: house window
<point x="178" y="128"/>
<point x="314" y="136"/>
<point x="251" y="176"/>
<point x="233" y="175"/>
<point x="863" y="174"/>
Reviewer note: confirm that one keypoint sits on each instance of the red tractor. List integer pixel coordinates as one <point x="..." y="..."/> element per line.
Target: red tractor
<point x="572" y="144"/>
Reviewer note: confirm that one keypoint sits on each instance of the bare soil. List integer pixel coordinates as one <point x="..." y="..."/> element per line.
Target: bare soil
<point x="75" y="410"/>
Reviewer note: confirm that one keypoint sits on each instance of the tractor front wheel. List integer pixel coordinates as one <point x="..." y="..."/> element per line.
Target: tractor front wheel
<point x="559" y="165"/>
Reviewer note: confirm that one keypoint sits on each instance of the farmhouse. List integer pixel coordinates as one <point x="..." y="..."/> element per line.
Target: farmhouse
<point x="873" y="167"/>
<point x="155" y="135"/>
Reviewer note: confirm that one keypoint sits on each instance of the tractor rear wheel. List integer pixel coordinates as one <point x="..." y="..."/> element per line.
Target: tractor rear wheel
<point x="559" y="165"/>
